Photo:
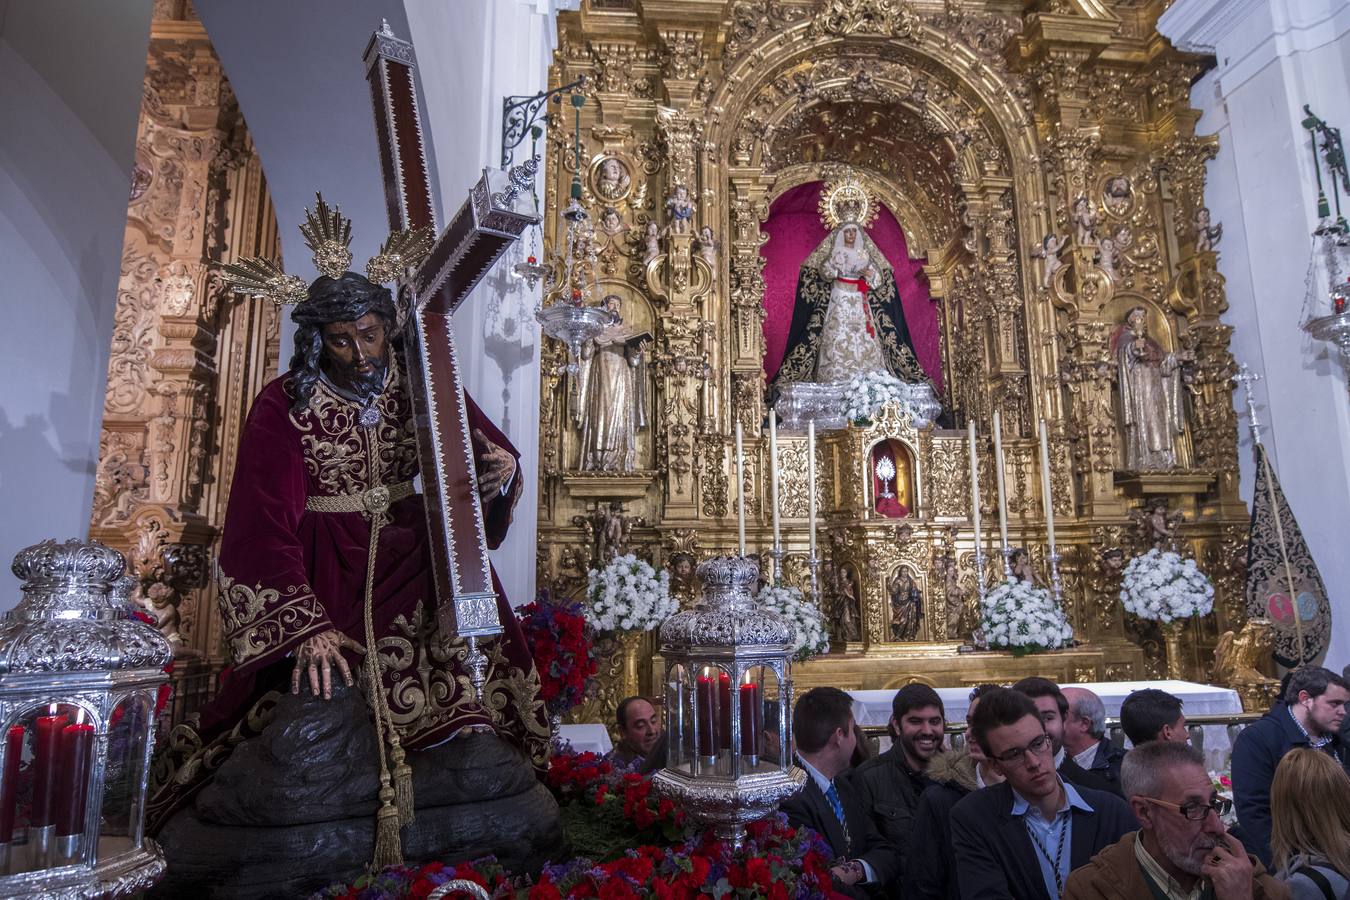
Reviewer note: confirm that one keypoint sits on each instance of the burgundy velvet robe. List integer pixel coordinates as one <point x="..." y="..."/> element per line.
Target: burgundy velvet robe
<point x="288" y="573"/>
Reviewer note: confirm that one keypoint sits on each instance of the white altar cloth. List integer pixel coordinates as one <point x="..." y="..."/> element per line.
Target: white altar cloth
<point x="587" y="738"/>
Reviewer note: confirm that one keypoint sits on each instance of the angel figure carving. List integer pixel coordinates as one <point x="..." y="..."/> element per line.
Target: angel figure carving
<point x="1239" y="658"/>
<point x="1084" y="220"/>
<point x="1049" y="249"/>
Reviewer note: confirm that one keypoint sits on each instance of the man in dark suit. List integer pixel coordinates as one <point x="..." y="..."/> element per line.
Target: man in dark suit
<point x="1054" y="707"/>
<point x="1021" y="839"/>
<point x="822" y="726"/>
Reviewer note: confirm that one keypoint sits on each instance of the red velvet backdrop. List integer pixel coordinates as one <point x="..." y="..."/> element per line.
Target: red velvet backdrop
<point x="794" y="229"/>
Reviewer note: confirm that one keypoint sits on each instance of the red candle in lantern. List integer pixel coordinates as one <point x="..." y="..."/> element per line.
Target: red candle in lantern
<point x="705" y="716"/>
<point x="75" y="758"/>
<point x="44" y="767"/>
<point x="724" y="717"/>
<point x="751" y="714"/>
<point x="9" y="782"/>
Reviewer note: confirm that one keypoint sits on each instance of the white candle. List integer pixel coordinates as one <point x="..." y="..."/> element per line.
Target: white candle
<point x="773" y="474"/>
<point x="811" y="482"/>
<point x="998" y="474"/>
<point x="740" y="488"/>
<point x="974" y="482"/>
<point x="1045" y="488"/>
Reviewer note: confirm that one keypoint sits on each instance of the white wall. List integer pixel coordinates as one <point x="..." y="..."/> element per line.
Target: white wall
<point x="70" y="93"/>
<point x="1273" y="57"/>
<point x="302" y="89"/>
<point x="500" y="48"/>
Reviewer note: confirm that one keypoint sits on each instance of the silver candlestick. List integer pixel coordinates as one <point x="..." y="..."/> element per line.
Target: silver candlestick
<point x="813" y="564"/>
<point x="776" y="554"/>
<point x="1056" y="587"/>
<point x="1007" y="563"/>
<point x="979" y="569"/>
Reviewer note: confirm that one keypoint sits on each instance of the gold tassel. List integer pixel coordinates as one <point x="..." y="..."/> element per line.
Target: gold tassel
<point x="403" y="789"/>
<point x="388" y="847"/>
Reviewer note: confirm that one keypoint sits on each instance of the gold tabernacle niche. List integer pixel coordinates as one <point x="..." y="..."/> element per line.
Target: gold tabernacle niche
<point x="1019" y="230"/>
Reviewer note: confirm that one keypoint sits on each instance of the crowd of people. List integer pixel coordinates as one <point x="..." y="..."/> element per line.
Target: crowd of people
<point x="1039" y="803"/>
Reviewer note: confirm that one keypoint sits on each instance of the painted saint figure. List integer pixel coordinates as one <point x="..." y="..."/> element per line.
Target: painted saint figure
<point x="906" y="605"/>
<point x="610" y="404"/>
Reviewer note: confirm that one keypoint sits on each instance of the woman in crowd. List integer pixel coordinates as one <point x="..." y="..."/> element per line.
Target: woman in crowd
<point x="1310" y="818"/>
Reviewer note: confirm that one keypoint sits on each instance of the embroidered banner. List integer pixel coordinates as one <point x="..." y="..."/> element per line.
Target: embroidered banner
<point x="1283" y="583"/>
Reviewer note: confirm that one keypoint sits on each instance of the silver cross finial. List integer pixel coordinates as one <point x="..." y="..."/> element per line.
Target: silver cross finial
<point x="1246" y="377"/>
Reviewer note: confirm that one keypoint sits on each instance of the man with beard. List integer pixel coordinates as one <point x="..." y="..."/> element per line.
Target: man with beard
<point x="1054" y="708"/>
<point x="325" y="562"/>
<point x="889" y="785"/>
<point x="1181" y="849"/>
<point x="931" y="870"/>
<point x="1023" y="837"/>
<point x="1311" y="716"/>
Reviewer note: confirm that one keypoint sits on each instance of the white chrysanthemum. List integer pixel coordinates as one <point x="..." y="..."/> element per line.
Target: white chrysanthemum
<point x="628" y="595"/>
<point x="1159" y="585"/>
<point x="865" y="394"/>
<point x="802" y="614"/>
<point x="1017" y="614"/>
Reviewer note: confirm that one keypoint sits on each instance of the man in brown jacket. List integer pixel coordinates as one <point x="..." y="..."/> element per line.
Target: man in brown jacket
<point x="1182" y="850"/>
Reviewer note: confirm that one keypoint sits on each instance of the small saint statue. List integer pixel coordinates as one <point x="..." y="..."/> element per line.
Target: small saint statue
<point x="1149" y="380"/>
<point x="906" y="605"/>
<point x="610" y="403"/>
<point x="707" y="248"/>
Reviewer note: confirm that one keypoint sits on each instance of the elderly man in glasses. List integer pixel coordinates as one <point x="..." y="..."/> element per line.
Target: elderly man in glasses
<point x="1182" y="850"/>
<point x="1022" y="838"/>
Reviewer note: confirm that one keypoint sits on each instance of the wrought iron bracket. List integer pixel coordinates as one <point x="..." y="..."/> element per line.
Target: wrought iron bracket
<point x="521" y="115"/>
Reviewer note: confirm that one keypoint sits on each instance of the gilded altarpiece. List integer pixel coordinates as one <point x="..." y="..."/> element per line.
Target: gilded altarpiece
<point x="1042" y="161"/>
<point x="186" y="360"/>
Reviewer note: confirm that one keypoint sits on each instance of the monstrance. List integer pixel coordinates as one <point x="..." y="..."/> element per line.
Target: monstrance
<point x="885" y="469"/>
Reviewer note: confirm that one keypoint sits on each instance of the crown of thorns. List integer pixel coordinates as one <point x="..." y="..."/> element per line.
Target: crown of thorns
<point x="328" y="234"/>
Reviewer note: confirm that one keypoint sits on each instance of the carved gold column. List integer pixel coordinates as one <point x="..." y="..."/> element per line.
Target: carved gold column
<point x="185" y="365"/>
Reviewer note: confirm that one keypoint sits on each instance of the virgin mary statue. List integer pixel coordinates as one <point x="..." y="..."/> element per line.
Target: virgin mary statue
<point x="847" y="319"/>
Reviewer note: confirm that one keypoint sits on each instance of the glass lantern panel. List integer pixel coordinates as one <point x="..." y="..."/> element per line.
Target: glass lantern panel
<point x="679" y="709"/>
<point x="124" y="778"/>
<point x="45" y="764"/>
<point x="762" y="732"/>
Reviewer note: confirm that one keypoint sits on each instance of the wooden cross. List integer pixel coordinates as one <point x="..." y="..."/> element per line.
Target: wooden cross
<point x="462" y="255"/>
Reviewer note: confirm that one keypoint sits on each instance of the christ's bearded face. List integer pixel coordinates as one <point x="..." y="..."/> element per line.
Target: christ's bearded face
<point x="356" y="354"/>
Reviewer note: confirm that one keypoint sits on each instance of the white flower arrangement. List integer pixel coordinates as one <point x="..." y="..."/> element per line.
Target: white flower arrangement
<point x="1161" y="586"/>
<point x="802" y="614"/>
<point x="865" y="394"/>
<point x="1019" y="616"/>
<point x="628" y="595"/>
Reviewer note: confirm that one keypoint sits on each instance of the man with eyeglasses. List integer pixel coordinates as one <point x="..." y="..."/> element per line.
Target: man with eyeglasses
<point x="1021" y="839"/>
<point x="1182" y="850"/>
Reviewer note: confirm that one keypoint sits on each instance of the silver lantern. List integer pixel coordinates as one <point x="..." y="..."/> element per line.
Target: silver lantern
<point x="78" y="683"/>
<point x="727" y="665"/>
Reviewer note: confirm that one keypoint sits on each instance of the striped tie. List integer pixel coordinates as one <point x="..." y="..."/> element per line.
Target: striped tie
<point x="833" y="796"/>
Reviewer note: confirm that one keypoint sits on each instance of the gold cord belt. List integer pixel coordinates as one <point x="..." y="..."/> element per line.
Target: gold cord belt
<point x="375" y="501"/>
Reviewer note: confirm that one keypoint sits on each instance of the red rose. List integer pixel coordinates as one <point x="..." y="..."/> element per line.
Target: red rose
<point x="777" y="891"/>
